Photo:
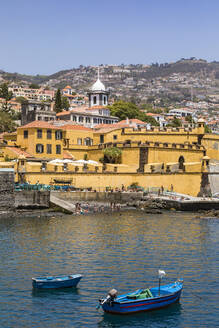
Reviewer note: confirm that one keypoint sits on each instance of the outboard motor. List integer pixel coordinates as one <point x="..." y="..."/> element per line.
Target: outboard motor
<point x="112" y="294"/>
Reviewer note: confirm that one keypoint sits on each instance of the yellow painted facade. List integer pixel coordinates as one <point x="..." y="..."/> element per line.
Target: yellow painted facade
<point x="150" y="157"/>
<point x="41" y="142"/>
<point x="211" y="143"/>
<point x="99" y="181"/>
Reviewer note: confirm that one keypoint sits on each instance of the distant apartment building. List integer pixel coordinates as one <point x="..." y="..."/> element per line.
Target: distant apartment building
<point x="159" y="118"/>
<point x="73" y="98"/>
<point x="214" y="125"/>
<point x="67" y="91"/>
<point x="37" y="111"/>
<point x="181" y="112"/>
<point x="40" y="94"/>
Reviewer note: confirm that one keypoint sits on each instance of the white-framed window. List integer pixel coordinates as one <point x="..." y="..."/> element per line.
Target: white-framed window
<point x="39" y="148"/>
<point x="58" y="135"/>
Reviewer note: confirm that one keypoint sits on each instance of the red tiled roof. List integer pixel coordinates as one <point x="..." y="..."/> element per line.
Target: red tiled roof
<point x="81" y="109"/>
<point x="212" y="122"/>
<point x="66" y="112"/>
<point x="151" y="114"/>
<point x="38" y="124"/>
<point x="97" y="107"/>
<point x="8" y="134"/>
<point x="110" y="127"/>
<point x="18" y="151"/>
<point x="75" y="127"/>
<point x="114" y="125"/>
<point x="67" y="95"/>
<point x="132" y="120"/>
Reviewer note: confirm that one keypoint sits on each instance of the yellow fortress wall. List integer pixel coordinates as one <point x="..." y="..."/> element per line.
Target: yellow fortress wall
<point x="99" y="182"/>
<point x="150" y="157"/>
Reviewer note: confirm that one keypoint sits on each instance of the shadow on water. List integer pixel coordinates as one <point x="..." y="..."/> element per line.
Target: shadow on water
<point x="51" y="293"/>
<point x="160" y="318"/>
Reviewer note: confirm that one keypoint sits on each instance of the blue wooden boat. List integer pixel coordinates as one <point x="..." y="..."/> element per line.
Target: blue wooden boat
<point x="142" y="299"/>
<point x="56" y="281"/>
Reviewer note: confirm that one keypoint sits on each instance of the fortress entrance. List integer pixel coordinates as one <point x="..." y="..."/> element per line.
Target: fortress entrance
<point x="143" y="158"/>
<point x="181" y="163"/>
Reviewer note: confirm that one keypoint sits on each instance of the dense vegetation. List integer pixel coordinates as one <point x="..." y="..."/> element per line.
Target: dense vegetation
<point x="7" y="115"/>
<point x="61" y="102"/>
<point x="130" y="110"/>
<point x="112" y="155"/>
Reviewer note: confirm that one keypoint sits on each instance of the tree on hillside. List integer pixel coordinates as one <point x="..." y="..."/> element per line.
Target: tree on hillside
<point x="147" y="107"/>
<point x="7" y="124"/>
<point x="4" y="93"/>
<point x="22" y="100"/>
<point x="125" y="110"/>
<point x="189" y="119"/>
<point x="58" y="101"/>
<point x="207" y="129"/>
<point x="65" y="103"/>
<point x="34" y="86"/>
<point x="149" y="119"/>
<point x="175" y="123"/>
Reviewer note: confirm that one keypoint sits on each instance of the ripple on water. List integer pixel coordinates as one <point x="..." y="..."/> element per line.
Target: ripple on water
<point x="121" y="251"/>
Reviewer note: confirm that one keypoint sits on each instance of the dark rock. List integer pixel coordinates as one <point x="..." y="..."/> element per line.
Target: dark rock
<point x="152" y="211"/>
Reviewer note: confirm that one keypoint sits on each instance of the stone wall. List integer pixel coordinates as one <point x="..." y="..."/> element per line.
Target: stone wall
<point x="83" y="196"/>
<point x="32" y="199"/>
<point x="7" y="201"/>
<point x="214" y="177"/>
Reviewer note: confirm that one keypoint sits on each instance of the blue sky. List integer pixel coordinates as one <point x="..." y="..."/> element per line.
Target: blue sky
<point x="45" y="36"/>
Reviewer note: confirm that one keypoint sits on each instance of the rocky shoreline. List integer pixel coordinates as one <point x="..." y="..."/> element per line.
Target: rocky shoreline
<point x="154" y="210"/>
<point x="149" y="204"/>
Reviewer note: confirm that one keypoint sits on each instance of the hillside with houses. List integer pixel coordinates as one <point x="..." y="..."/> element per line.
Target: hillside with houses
<point x="188" y="87"/>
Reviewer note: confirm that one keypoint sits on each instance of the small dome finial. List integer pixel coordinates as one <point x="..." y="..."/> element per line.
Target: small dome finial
<point x="98" y="85"/>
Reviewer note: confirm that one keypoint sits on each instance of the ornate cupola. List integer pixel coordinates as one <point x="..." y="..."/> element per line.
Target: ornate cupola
<point x="98" y="96"/>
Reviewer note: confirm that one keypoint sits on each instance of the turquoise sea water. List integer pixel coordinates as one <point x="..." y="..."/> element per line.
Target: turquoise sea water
<point x="110" y="251"/>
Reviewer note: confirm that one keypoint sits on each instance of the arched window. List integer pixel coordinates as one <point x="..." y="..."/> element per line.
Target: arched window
<point x="94" y="100"/>
<point x="181" y="162"/>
